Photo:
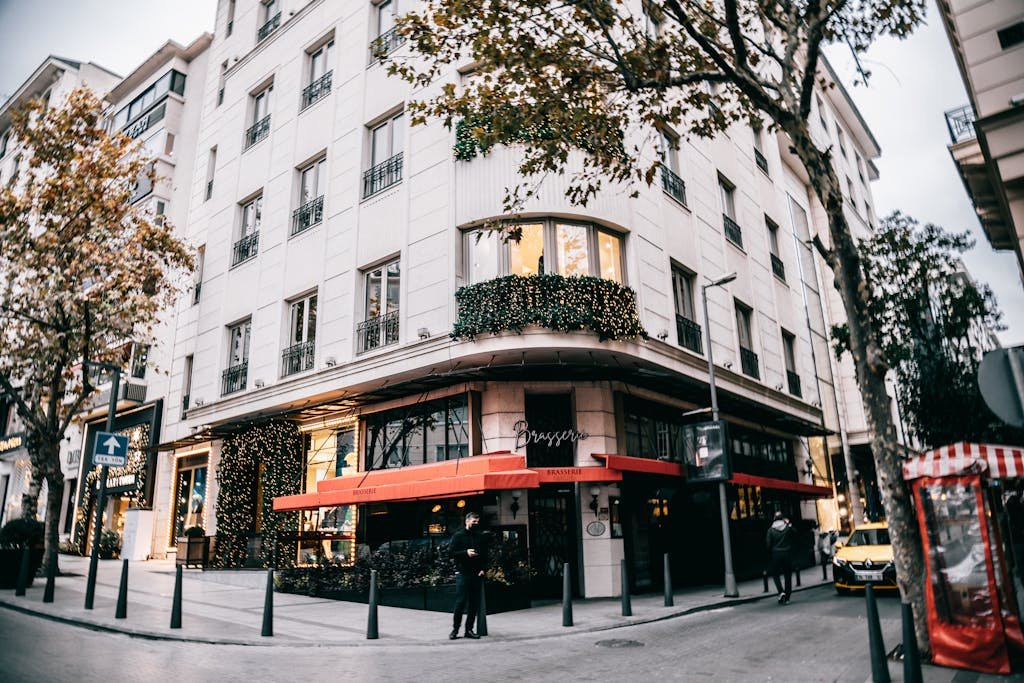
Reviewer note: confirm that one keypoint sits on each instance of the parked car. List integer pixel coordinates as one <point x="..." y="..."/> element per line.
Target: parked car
<point x="865" y="557"/>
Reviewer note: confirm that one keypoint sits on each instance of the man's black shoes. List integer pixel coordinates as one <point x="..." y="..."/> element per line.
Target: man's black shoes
<point x="454" y="634"/>
<point x="471" y="635"/>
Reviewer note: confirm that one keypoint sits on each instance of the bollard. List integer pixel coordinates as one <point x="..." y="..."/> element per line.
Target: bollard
<point x="669" y="598"/>
<point x="51" y="578"/>
<point x="824" y="568"/>
<point x="566" y="596"/>
<point x="911" y="655"/>
<point x="122" y="593"/>
<point x="268" y="606"/>
<point x="481" y="617"/>
<point x="879" y="668"/>
<point x="23" y="572"/>
<point x="176" y="601"/>
<point x="764" y="576"/>
<point x="371" y="619"/>
<point x="627" y="606"/>
<point x="798" y="576"/>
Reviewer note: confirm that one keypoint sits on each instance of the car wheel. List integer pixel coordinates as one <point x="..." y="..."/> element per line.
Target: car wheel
<point x="842" y="591"/>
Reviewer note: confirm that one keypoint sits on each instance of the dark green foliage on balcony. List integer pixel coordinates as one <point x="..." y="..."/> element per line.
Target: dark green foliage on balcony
<point x="558" y="303"/>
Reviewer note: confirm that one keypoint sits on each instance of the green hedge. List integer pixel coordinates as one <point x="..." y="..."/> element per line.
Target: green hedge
<point x="558" y="303"/>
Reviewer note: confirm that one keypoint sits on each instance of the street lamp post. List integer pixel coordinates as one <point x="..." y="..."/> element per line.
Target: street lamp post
<point x="94" y="554"/>
<point x="730" y="575"/>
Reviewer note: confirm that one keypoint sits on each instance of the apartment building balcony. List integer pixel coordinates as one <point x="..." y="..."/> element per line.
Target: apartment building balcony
<point x="778" y="267"/>
<point x="385" y="44"/>
<point x="306" y="216"/>
<point x="382" y="176"/>
<point x="793" y="380"/>
<point x="317" y="90"/>
<point x="733" y="233"/>
<point x="688" y="334"/>
<point x="234" y="379"/>
<point x="245" y="248"/>
<point x="269" y="27"/>
<point x="257" y="131"/>
<point x="673" y="185"/>
<point x="298" y="358"/>
<point x="749" y="364"/>
<point x="376" y="332"/>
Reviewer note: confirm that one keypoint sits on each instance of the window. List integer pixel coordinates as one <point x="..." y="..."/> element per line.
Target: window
<point x="526" y="256"/>
<point x="653" y="431"/>
<point x="211" y="167"/>
<point x="727" y="193"/>
<point x="311" y="196"/>
<point x="386" y="140"/>
<point x="842" y="141"/>
<point x="687" y="330"/>
<point x="231" y="18"/>
<point x="388" y="39"/>
<point x="190" y="493"/>
<point x="1011" y="36"/>
<point x="821" y="113"/>
<point x="186" y="383"/>
<point x="319" y="83"/>
<point x="4" y="139"/>
<point x="234" y="377"/>
<point x="249" y="232"/>
<point x="380" y="326"/>
<point x="860" y="167"/>
<point x="778" y="267"/>
<point x="15" y="171"/>
<point x="789" y="355"/>
<point x="483" y="248"/>
<point x="759" y="157"/>
<point x="434" y="431"/>
<point x="653" y="18"/>
<point x="671" y="183"/>
<point x="867" y="212"/>
<point x="301" y="347"/>
<point x="748" y="359"/>
<point x="159" y="212"/>
<point x="172" y="81"/>
<point x="220" y="82"/>
<point x="260" y="119"/>
<point x="850" y="194"/>
<point x="169" y="144"/>
<point x="271" y="19"/>
<point x="200" y="263"/>
<point x="140" y="359"/>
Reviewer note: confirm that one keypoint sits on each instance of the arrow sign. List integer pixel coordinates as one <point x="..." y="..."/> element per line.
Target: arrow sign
<point x="110" y="450"/>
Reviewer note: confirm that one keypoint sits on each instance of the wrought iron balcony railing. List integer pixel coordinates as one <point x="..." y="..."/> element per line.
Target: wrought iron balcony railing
<point x="379" y="331"/>
<point x="673" y="185"/>
<point x="307" y="215"/>
<point x="778" y="267"/>
<point x="794" y="383"/>
<point x="382" y="176"/>
<point x="257" y="131"/>
<point x="234" y="379"/>
<point x="688" y="334"/>
<point x="748" y="361"/>
<point x="761" y="161"/>
<point x="246" y="248"/>
<point x="385" y="44"/>
<point x="732" y="231"/>
<point x="961" y="123"/>
<point x="317" y="90"/>
<point x="298" y="358"/>
<point x="268" y="27"/>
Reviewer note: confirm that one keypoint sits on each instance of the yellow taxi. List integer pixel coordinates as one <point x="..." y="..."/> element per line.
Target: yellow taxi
<point x="865" y="557"/>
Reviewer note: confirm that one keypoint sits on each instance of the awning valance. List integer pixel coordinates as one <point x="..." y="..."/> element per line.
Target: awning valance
<point x="995" y="462"/>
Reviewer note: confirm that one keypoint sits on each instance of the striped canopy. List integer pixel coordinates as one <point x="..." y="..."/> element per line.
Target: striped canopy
<point x="995" y="462"/>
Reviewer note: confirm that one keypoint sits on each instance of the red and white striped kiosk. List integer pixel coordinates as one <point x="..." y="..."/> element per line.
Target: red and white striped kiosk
<point x="973" y="619"/>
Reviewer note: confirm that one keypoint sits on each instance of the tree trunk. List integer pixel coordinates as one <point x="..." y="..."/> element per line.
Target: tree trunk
<point x="30" y="497"/>
<point x="844" y="260"/>
<point x="54" y="502"/>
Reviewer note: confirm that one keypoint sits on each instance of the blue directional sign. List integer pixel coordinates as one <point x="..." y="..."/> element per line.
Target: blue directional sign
<point x="110" y="449"/>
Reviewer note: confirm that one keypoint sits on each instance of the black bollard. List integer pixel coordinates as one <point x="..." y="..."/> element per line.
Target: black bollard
<point x="566" y="596"/>
<point x="824" y="567"/>
<point x="911" y="655"/>
<point x="798" y="576"/>
<point x="764" y="576"/>
<point x="176" y="601"/>
<point x="122" y="594"/>
<point x="268" y="606"/>
<point x="627" y="606"/>
<point x="371" y="619"/>
<point x="51" y="578"/>
<point x="879" y="668"/>
<point x="669" y="598"/>
<point x="481" y="617"/>
<point x="19" y="588"/>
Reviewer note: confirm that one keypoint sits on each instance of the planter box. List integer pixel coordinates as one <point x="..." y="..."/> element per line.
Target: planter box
<point x="193" y="551"/>
<point x="434" y="598"/>
<point x="10" y="565"/>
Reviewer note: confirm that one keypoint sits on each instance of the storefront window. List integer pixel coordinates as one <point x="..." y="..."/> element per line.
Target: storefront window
<point x="330" y="453"/>
<point x="190" y="493"/>
<point x="412" y="435"/>
<point x="653" y="431"/>
<point x="328" y="535"/>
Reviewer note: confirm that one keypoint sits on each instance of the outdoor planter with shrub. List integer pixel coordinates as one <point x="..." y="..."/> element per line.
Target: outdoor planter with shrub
<point x="15" y="536"/>
<point x="193" y="547"/>
<point x="110" y="544"/>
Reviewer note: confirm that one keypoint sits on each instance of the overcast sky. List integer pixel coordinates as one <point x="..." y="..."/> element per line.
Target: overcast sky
<point x="913" y="82"/>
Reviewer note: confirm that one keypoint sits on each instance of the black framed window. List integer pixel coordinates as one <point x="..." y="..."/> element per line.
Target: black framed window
<point x="433" y="431"/>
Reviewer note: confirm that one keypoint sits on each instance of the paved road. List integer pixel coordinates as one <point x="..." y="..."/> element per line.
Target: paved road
<point x="818" y="637"/>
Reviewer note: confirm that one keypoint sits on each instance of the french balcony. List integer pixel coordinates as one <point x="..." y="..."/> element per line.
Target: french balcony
<point x="960" y="123"/>
<point x="778" y="268"/>
<point x="272" y="24"/>
<point x="376" y="332"/>
<point x="257" y="131"/>
<point x="382" y="176"/>
<point x="557" y="303"/>
<point x="245" y="248"/>
<point x="234" y="379"/>
<point x="794" y="383"/>
<point x="761" y="161"/>
<point x="317" y="90"/>
<point x="749" y="364"/>
<point x="733" y="233"/>
<point x="306" y="216"/>
<point x="673" y="185"/>
<point x="298" y="358"/>
<point x="385" y="44"/>
<point x="688" y="334"/>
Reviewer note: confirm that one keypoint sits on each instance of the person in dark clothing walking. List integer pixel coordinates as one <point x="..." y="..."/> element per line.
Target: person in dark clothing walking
<point x="780" y="551"/>
<point x="470" y="556"/>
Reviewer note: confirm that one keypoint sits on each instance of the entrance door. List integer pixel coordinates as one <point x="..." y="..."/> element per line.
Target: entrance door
<point x="552" y="540"/>
<point x="550" y="413"/>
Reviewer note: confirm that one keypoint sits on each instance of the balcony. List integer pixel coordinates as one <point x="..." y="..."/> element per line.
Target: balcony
<point x="778" y="268"/>
<point x="688" y="334"/>
<point x="268" y="28"/>
<point x="132" y="392"/>
<point x="257" y="131"/>
<point x="673" y="185"/>
<point x="385" y="44"/>
<point x="377" y="332"/>
<point x="794" y="383"/>
<point x="748" y="362"/>
<point x="307" y="215"/>
<point x="298" y="358"/>
<point x="245" y="248"/>
<point x="317" y="90"/>
<point x="732" y="231"/>
<point x="382" y="176"/>
<point x="234" y="379"/>
<point x="960" y="123"/>
<point x="760" y="160"/>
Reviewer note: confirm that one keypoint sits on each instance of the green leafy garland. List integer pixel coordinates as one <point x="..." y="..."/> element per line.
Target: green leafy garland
<point x="266" y="460"/>
<point x="563" y="304"/>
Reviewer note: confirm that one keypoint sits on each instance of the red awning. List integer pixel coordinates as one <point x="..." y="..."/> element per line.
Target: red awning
<point x="805" y="490"/>
<point x="995" y="462"/>
<point x="627" y="463"/>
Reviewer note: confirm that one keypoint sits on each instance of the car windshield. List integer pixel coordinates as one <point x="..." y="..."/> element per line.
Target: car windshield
<point x="869" y="537"/>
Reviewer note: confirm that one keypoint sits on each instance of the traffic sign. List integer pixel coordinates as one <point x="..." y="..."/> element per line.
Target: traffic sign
<point x="110" y="449"/>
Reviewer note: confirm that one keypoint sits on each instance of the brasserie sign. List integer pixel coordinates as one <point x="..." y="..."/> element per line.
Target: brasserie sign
<point x="526" y="436"/>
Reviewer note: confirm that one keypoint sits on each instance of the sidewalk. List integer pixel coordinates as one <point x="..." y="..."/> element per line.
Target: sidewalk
<point x="227" y="608"/>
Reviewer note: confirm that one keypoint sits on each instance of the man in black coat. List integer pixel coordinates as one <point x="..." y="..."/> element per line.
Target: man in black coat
<point x="469" y="553"/>
<point x="780" y="551"/>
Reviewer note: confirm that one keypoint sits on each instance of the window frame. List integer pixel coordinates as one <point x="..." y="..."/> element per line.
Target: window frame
<point x="744" y="315"/>
<point x="680" y="274"/>
<point x="789" y="351"/>
<point x="244" y="327"/>
<point x="309" y="321"/>
<point x="388" y="122"/>
<point x="255" y="201"/>
<point x="727" y="197"/>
